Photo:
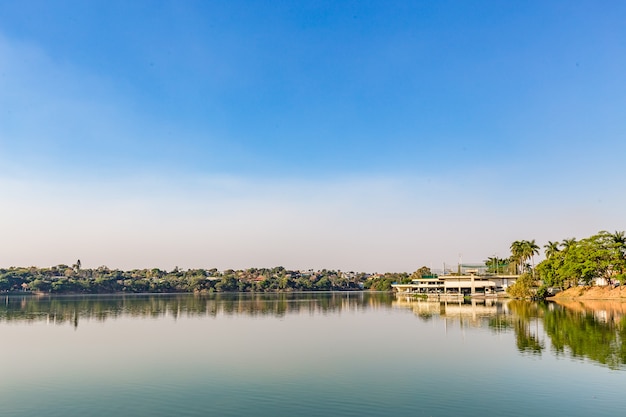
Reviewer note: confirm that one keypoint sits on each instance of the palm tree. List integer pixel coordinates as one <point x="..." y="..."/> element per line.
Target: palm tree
<point x="529" y="250"/>
<point x="495" y="264"/>
<point x="491" y="263"/>
<point x="516" y="254"/>
<point x="619" y="239"/>
<point x="619" y="243"/>
<point x="551" y="249"/>
<point x="568" y="243"/>
<point x="523" y="250"/>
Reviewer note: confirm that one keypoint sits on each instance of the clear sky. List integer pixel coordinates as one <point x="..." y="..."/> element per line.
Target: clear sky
<point x="354" y="135"/>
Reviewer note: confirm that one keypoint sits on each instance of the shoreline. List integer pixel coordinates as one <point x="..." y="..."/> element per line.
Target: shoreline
<point x="72" y="294"/>
<point x="607" y="293"/>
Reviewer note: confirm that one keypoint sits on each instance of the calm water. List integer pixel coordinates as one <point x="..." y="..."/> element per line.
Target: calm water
<point x="331" y="354"/>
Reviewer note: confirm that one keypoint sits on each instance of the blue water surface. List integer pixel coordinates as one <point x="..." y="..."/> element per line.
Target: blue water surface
<point x="326" y="354"/>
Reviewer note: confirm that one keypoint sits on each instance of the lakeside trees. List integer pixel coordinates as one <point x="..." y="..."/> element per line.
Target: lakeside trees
<point x="523" y="288"/>
<point x="62" y="279"/>
<point x="602" y="255"/>
<point x="569" y="263"/>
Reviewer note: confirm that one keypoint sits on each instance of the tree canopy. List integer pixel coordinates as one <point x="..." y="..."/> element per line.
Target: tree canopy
<point x="602" y="255"/>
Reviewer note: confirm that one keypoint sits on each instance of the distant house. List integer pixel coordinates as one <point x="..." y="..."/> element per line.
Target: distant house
<point x="601" y="282"/>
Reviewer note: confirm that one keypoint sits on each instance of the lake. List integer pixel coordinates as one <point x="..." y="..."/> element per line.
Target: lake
<point x="308" y="354"/>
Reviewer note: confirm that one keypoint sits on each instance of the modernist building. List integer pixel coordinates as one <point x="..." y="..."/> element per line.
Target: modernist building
<point x="466" y="284"/>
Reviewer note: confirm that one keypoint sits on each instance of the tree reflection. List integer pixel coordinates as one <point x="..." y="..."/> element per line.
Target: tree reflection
<point x="526" y="326"/>
<point x="526" y="340"/>
<point x="593" y="331"/>
<point x="575" y="329"/>
<point x="72" y="309"/>
<point x="587" y="333"/>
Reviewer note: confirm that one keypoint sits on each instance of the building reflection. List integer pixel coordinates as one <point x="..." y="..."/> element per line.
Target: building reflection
<point x="580" y="330"/>
<point x="472" y="311"/>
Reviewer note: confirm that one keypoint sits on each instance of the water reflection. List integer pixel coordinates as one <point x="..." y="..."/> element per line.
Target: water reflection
<point x="476" y="313"/>
<point x="592" y="330"/>
<point x="71" y="309"/>
<point x="582" y="330"/>
<point x="526" y="324"/>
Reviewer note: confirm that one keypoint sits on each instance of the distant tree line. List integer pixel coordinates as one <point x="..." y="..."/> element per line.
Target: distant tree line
<point x="64" y="279"/>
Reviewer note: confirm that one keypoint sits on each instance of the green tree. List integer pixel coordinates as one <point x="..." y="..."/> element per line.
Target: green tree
<point x="529" y="250"/>
<point x="523" y="287"/>
<point x="619" y="245"/>
<point x="598" y="256"/>
<point x="522" y="251"/>
<point x="568" y="243"/>
<point x="517" y="255"/>
<point x="496" y="265"/>
<point x="551" y="249"/>
<point x="549" y="270"/>
<point x="227" y="283"/>
<point x="423" y="271"/>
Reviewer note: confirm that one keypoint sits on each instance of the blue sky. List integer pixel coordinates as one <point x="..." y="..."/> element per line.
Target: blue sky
<point x="352" y="135"/>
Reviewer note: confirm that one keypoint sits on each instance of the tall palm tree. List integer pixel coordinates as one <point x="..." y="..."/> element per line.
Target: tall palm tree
<point x="516" y="255"/>
<point x="619" y="243"/>
<point x="492" y="263"/>
<point x="495" y="264"/>
<point x="551" y="249"/>
<point x="568" y="243"/>
<point x="618" y="239"/>
<point x="523" y="250"/>
<point x="529" y="250"/>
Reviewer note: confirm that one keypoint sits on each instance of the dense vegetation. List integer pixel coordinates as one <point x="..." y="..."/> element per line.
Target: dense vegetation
<point x="602" y="255"/>
<point x="569" y="263"/>
<point x="64" y="279"/>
